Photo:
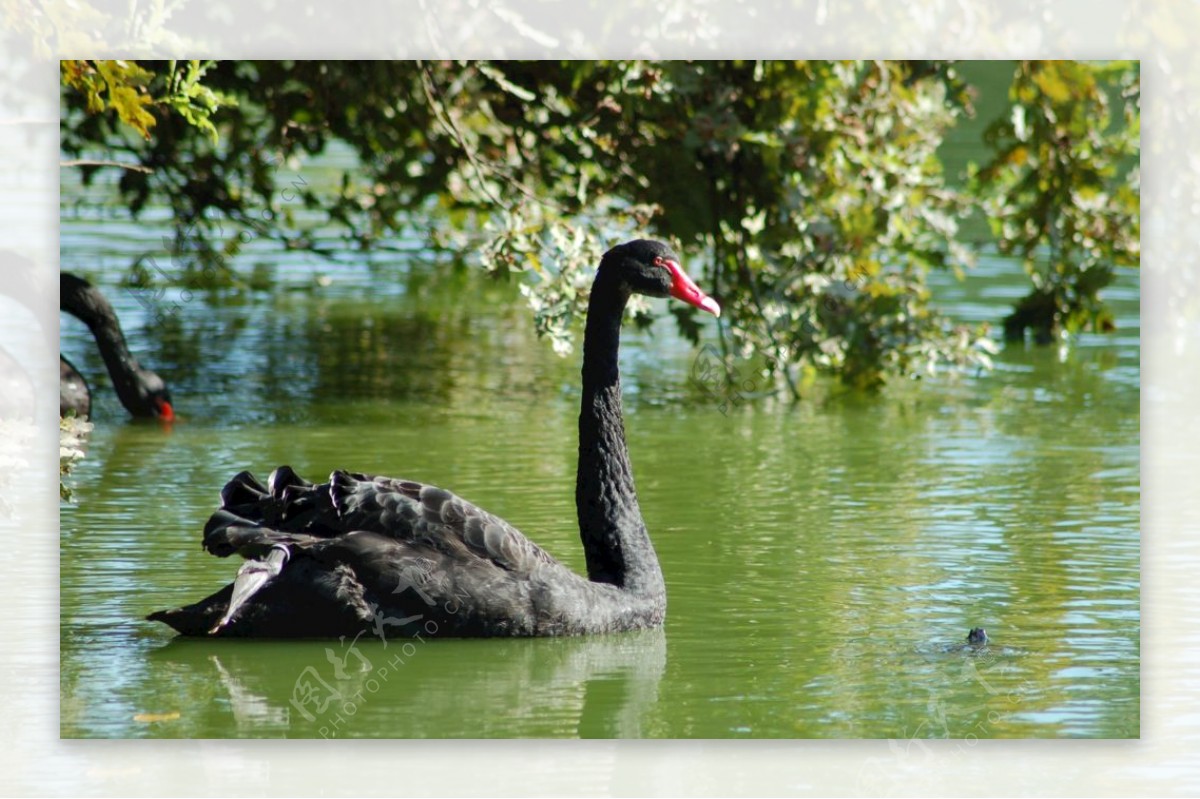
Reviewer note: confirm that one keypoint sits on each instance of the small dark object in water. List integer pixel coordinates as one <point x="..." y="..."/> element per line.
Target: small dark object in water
<point x="977" y="636"/>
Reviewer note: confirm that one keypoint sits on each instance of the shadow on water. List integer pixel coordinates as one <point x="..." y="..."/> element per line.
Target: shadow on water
<point x="598" y="687"/>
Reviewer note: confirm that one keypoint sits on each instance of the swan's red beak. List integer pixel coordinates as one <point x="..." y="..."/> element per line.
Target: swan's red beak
<point x="682" y="288"/>
<point x="165" y="412"/>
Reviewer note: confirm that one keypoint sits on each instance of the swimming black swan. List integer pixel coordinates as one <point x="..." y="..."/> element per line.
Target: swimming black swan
<point x="142" y="392"/>
<point x="395" y="557"/>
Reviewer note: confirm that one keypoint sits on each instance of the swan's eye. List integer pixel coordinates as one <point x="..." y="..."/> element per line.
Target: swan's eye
<point x="660" y="261"/>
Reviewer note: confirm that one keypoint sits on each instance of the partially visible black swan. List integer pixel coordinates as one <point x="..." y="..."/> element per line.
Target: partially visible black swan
<point x="393" y="557"/>
<point x="142" y="392"/>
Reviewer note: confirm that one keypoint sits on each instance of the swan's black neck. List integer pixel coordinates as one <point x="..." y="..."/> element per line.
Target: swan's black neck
<point x="615" y="540"/>
<point x="83" y="301"/>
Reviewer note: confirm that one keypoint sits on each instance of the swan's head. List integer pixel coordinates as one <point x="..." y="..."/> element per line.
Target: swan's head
<point x="977" y="636"/>
<point x="154" y="397"/>
<point x="652" y="268"/>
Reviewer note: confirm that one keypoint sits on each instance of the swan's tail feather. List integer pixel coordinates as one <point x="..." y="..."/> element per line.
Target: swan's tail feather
<point x="244" y="489"/>
<point x="253" y="542"/>
<point x="287" y="503"/>
<point x="215" y="532"/>
<point x="281" y="596"/>
<point x="279" y="526"/>
<point x="251" y="578"/>
<point x="284" y="478"/>
<point x="197" y="618"/>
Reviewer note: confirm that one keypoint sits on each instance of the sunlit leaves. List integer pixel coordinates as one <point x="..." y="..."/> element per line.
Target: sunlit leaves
<point x="191" y="99"/>
<point x="133" y="92"/>
<point x="1062" y="190"/>
<point x="809" y="193"/>
<point x="116" y="85"/>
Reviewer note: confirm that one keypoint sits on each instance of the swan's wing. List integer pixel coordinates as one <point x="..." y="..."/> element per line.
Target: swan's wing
<point x="403" y="510"/>
<point x="432" y="516"/>
<point x="364" y="582"/>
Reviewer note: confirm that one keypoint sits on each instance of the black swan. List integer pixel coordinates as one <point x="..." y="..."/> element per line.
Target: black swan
<point x="142" y="392"/>
<point x="393" y="557"/>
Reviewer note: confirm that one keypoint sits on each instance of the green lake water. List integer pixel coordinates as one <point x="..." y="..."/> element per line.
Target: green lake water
<point x="822" y="560"/>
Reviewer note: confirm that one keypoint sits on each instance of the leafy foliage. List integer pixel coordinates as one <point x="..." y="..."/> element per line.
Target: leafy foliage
<point x="119" y="85"/>
<point x="810" y="193"/>
<point x="125" y="87"/>
<point x="1062" y="191"/>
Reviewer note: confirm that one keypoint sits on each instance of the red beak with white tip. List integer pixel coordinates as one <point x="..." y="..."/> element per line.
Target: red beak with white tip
<point x="683" y="288"/>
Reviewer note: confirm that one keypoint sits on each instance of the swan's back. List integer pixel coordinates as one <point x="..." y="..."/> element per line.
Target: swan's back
<point x="253" y="517"/>
<point x="386" y="556"/>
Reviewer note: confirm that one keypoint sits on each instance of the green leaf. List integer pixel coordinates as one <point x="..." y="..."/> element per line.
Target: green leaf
<point x="131" y="107"/>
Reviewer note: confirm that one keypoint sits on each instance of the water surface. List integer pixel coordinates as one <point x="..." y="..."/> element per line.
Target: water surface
<point x="822" y="559"/>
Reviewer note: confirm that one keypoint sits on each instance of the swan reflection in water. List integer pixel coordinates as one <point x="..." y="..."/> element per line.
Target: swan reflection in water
<point x="587" y="687"/>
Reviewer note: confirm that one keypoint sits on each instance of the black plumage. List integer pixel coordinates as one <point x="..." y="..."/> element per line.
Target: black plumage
<point x="141" y="391"/>
<point x="394" y="557"/>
